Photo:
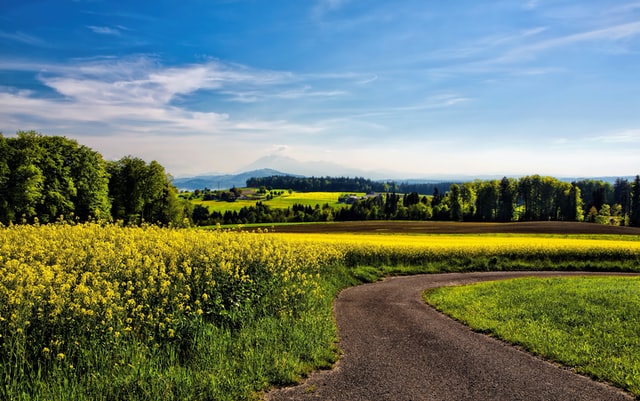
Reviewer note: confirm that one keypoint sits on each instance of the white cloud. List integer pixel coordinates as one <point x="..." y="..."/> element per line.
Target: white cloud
<point x="611" y="33"/>
<point x="631" y="136"/>
<point x="136" y="95"/>
<point x="104" y="30"/>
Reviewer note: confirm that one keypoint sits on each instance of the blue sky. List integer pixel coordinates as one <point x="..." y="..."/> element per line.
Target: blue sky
<point x="411" y="88"/>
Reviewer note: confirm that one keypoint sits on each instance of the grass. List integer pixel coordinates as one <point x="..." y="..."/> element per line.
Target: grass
<point x="588" y="323"/>
<point x="283" y="201"/>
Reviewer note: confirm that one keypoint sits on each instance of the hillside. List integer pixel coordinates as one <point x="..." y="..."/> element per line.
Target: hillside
<point x="224" y="181"/>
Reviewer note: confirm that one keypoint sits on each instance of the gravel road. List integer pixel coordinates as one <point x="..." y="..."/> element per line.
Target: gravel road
<point x="397" y="348"/>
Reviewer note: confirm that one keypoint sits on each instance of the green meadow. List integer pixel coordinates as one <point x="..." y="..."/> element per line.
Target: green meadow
<point x="283" y="201"/>
<point x="590" y="324"/>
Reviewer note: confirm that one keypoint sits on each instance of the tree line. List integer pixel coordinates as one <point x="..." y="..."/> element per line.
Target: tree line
<point x="529" y="198"/>
<point x="343" y="184"/>
<point x="48" y="178"/>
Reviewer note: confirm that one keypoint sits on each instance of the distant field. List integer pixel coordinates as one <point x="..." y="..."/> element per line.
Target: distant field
<point x="450" y="227"/>
<point x="279" y="202"/>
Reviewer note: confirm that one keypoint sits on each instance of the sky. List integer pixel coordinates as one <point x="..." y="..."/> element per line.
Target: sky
<point x="412" y="88"/>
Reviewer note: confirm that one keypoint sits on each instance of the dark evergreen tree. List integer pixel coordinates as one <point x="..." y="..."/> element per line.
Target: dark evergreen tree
<point x="634" y="218"/>
<point x="622" y="195"/>
<point x="455" y="202"/>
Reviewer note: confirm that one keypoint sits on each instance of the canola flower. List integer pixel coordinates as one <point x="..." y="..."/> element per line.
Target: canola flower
<point x="543" y="251"/>
<point x="64" y="287"/>
<point x="63" y="284"/>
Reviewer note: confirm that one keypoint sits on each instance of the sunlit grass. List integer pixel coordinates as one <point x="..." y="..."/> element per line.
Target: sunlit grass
<point x="286" y="200"/>
<point x="588" y="323"/>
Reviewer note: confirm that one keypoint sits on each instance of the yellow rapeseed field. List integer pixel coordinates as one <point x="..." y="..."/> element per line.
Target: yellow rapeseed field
<point x="65" y="288"/>
<point x="420" y="249"/>
<point x="60" y="282"/>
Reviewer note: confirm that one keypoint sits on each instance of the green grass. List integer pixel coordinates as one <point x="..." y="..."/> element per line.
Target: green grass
<point x="591" y="324"/>
<point x="278" y="202"/>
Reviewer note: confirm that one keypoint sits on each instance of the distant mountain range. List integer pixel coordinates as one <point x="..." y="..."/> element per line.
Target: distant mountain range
<point x="283" y="165"/>
<point x="224" y="181"/>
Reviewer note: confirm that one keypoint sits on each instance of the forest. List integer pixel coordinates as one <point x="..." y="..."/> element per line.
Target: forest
<point x="48" y="178"/>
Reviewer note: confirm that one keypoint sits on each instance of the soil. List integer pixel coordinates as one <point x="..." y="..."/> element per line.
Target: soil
<point x="397" y="348"/>
<point x="448" y="227"/>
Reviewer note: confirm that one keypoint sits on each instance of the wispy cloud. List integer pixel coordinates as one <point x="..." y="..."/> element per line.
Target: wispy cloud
<point x="136" y="94"/>
<point x="104" y="30"/>
<point x="22" y="37"/>
<point x="324" y="7"/>
<point x="305" y="92"/>
<point x="631" y="136"/>
<point x="610" y="33"/>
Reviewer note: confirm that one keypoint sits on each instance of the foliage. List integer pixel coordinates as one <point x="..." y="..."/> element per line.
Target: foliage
<point x="47" y="177"/>
<point x="589" y="323"/>
<point x="143" y="192"/>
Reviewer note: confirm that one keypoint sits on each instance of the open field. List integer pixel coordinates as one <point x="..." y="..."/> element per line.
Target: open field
<point x="278" y="202"/>
<point x="448" y="227"/>
<point x="590" y="324"/>
<point x="173" y="314"/>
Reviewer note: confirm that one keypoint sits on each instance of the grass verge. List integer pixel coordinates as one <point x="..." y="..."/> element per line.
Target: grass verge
<point x="588" y="323"/>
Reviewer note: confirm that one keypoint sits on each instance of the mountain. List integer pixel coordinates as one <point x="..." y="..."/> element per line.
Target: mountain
<point x="314" y="168"/>
<point x="224" y="181"/>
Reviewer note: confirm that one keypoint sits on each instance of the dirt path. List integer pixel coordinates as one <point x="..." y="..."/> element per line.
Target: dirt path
<point x="397" y="348"/>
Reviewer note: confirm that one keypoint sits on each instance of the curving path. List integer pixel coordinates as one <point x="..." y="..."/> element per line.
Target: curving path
<point x="397" y="348"/>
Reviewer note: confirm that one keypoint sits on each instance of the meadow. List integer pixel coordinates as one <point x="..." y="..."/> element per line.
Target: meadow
<point x="590" y="324"/>
<point x="283" y="201"/>
<point x="107" y="312"/>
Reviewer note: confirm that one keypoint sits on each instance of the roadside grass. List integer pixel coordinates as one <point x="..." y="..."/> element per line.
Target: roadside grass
<point x="591" y="324"/>
<point x="277" y="202"/>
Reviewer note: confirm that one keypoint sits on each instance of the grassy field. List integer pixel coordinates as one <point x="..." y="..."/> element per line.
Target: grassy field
<point x="106" y="312"/>
<point x="590" y="323"/>
<point x="278" y="202"/>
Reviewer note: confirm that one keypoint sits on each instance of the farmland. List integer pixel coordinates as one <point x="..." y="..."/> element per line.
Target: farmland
<point x="284" y="200"/>
<point x="105" y="311"/>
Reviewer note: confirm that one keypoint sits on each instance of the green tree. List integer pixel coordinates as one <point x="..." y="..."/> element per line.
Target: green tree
<point x="622" y="196"/>
<point x="48" y="177"/>
<point x="487" y="200"/>
<point x="141" y="192"/>
<point x="506" y="200"/>
<point x="455" y="202"/>
<point x="468" y="198"/>
<point x="634" y="218"/>
<point x="572" y="208"/>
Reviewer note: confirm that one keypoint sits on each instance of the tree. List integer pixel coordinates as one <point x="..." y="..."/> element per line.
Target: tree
<point x="468" y="198"/>
<point x="455" y="202"/>
<point x="141" y="192"/>
<point x="506" y="200"/>
<point x="634" y="219"/>
<point x="571" y="208"/>
<point x="48" y="177"/>
<point x="622" y="195"/>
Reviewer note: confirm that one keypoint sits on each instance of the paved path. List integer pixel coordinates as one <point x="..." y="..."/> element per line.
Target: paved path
<point x="397" y="348"/>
